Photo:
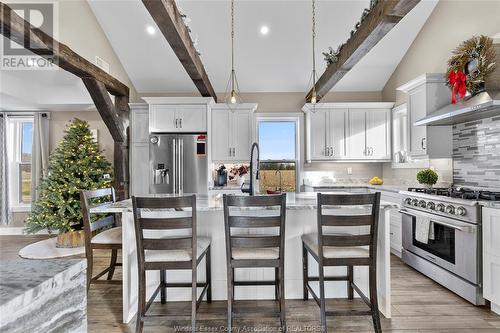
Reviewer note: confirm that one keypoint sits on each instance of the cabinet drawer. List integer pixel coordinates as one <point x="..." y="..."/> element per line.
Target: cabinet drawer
<point x="491" y="277"/>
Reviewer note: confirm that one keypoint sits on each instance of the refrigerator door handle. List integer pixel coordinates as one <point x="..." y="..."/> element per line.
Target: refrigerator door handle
<point x="181" y="166"/>
<point x="174" y="146"/>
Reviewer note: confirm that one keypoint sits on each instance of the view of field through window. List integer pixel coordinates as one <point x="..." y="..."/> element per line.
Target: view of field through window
<point x="277" y="156"/>
<point x="25" y="162"/>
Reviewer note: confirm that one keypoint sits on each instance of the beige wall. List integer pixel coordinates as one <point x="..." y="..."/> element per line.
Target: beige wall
<point x="451" y="23"/>
<point x="59" y="120"/>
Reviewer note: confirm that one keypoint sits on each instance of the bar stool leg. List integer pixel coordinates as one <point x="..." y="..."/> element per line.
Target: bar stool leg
<point x="208" y="271"/>
<point x="230" y="292"/>
<point x="374" y="299"/>
<point x="141" y="303"/>
<point x="276" y="283"/>
<point x="90" y="264"/>
<point x="282" y="296"/>
<point x="112" y="264"/>
<point x="193" y="298"/>
<point x="163" y="286"/>
<point x="350" y="280"/>
<point x="322" y="298"/>
<point x="305" y="273"/>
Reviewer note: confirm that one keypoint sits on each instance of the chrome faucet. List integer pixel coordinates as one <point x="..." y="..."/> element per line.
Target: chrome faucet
<point x="253" y="186"/>
<point x="279" y="188"/>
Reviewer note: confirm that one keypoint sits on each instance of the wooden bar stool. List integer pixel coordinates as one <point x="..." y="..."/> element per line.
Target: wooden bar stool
<point x="169" y="252"/>
<point x="245" y="250"/>
<point x="344" y="250"/>
<point x="107" y="234"/>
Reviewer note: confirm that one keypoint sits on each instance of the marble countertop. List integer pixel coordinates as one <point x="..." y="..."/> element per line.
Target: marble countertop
<point x="213" y="202"/>
<point x="22" y="279"/>
<point x="388" y="188"/>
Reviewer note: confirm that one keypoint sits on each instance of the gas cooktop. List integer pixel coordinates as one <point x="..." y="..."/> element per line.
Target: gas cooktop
<point x="460" y="192"/>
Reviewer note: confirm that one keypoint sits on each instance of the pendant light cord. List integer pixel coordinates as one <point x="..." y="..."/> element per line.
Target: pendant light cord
<point x="313" y="44"/>
<point x="232" y="45"/>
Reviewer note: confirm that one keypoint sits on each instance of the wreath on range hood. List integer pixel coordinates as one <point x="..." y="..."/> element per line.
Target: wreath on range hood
<point x="472" y="62"/>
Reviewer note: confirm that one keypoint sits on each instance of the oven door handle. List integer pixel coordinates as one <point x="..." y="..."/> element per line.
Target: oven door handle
<point x="462" y="229"/>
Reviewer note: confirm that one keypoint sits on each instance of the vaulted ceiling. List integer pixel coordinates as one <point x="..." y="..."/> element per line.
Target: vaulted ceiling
<point x="277" y="62"/>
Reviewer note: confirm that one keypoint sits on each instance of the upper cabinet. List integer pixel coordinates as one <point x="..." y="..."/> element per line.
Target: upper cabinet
<point x="232" y="132"/>
<point x="348" y="131"/>
<point x="178" y="114"/>
<point x="426" y="94"/>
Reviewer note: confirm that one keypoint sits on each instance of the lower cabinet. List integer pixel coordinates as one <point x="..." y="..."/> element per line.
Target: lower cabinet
<point x="491" y="257"/>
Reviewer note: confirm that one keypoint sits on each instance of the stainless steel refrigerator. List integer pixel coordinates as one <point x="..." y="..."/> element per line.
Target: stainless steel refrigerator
<point x="178" y="163"/>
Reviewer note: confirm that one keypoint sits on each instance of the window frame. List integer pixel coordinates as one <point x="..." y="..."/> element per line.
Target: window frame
<point x="14" y="153"/>
<point x="285" y="117"/>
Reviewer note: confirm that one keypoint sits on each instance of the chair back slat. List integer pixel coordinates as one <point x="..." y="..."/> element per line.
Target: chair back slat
<point x="166" y="223"/>
<point x="346" y="240"/>
<point x="254" y="221"/>
<point x="162" y="214"/>
<point x="330" y="220"/>
<point x="346" y="220"/>
<point x="108" y="221"/>
<point x="255" y="241"/>
<point x="262" y="212"/>
<point x="181" y="243"/>
<point x="100" y="193"/>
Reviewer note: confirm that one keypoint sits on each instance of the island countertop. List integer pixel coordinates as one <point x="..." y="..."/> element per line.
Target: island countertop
<point x="213" y="202"/>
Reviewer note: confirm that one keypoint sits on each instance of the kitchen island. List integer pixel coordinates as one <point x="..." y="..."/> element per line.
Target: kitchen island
<point x="300" y="219"/>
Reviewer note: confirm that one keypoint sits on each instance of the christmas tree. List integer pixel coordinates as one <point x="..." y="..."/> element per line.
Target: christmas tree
<point x="76" y="164"/>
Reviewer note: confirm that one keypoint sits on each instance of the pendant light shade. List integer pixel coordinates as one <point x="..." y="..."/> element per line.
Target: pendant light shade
<point x="232" y="95"/>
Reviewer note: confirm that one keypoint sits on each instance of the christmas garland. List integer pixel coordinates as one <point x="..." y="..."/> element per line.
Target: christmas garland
<point x="472" y="61"/>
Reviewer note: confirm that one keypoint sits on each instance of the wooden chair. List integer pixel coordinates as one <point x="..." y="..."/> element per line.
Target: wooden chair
<point x="255" y="250"/>
<point x="344" y="250"/>
<point x="169" y="252"/>
<point x="107" y="235"/>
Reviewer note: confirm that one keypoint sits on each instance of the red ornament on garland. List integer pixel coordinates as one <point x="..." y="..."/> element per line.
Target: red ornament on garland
<point x="457" y="80"/>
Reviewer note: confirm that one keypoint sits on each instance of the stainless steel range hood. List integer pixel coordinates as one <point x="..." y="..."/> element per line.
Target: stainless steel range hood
<point x="482" y="105"/>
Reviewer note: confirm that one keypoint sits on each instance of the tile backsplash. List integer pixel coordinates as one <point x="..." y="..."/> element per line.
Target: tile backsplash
<point x="476" y="153"/>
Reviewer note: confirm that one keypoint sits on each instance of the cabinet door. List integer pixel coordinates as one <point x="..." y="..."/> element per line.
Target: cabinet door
<point x="417" y="110"/>
<point x="192" y="118"/>
<point x="377" y="134"/>
<point x="162" y="118"/>
<point x="337" y="131"/>
<point x="491" y="254"/>
<point x="139" y="169"/>
<point x="220" y="135"/>
<point x="357" y="134"/>
<point x="139" y="126"/>
<point x="318" y="131"/>
<point x="240" y="139"/>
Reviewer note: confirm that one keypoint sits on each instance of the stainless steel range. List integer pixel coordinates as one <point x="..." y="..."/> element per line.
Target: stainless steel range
<point x="451" y="254"/>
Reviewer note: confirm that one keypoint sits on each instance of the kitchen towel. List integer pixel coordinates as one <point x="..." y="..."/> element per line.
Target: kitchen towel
<point x="422" y="227"/>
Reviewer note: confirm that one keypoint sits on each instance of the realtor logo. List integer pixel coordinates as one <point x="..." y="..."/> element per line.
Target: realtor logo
<point x="23" y="46"/>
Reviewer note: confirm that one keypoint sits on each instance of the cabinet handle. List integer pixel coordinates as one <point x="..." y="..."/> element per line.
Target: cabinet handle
<point x="234" y="150"/>
<point x="176" y="120"/>
<point x="180" y="122"/>
<point x="229" y="152"/>
<point x="423" y="143"/>
<point x="332" y="151"/>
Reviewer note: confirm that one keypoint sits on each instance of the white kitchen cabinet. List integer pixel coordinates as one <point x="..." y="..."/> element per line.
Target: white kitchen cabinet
<point x="178" y="114"/>
<point x="328" y="140"/>
<point x="348" y="131"/>
<point x="139" y="149"/>
<point x="231" y="132"/>
<point x="139" y="123"/>
<point x="491" y="257"/>
<point x="426" y="94"/>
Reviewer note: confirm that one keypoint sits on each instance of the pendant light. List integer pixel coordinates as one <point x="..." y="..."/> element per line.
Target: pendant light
<point x="313" y="74"/>
<point x="232" y="94"/>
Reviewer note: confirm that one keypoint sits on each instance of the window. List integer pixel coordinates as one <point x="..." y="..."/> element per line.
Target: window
<point x="19" y="144"/>
<point x="278" y="155"/>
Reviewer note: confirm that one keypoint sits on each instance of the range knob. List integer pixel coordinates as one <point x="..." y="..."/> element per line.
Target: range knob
<point x="408" y="201"/>
<point x="422" y="204"/>
<point x="414" y="202"/>
<point x="431" y="205"/>
<point x="440" y="207"/>
<point x="450" y="209"/>
<point x="460" y="211"/>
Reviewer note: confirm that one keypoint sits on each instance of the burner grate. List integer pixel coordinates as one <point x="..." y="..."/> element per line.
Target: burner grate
<point x="459" y="192"/>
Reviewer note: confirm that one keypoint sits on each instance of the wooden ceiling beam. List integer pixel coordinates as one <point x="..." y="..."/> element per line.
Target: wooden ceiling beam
<point x="22" y="32"/>
<point x="169" y="21"/>
<point x="381" y="19"/>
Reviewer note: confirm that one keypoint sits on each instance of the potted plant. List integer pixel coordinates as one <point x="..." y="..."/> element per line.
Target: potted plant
<point x="76" y="164"/>
<point x="427" y="177"/>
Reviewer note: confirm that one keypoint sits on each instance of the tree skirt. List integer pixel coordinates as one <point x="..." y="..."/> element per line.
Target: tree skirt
<point x="47" y="249"/>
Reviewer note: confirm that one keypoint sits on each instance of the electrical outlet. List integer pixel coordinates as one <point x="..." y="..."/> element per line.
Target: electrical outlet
<point x="349" y="171"/>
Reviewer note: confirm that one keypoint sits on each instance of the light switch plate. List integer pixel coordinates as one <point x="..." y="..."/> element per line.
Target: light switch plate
<point x="349" y="171"/>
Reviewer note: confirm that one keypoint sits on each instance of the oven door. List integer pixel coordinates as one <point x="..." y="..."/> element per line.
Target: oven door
<point x="454" y="246"/>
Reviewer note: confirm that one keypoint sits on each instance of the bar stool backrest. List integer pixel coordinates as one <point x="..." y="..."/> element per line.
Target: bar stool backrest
<point x="109" y="221"/>
<point x="150" y="222"/>
<point x="243" y="213"/>
<point x="331" y="220"/>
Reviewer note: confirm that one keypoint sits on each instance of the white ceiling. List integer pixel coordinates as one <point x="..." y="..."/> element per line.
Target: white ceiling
<point x="278" y="62"/>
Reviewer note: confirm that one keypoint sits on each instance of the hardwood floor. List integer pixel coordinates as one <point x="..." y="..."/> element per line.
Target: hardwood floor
<point x="419" y="306"/>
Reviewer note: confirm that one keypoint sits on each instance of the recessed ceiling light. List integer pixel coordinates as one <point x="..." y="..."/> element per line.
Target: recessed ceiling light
<point x="150" y="30"/>
<point x="264" y="30"/>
